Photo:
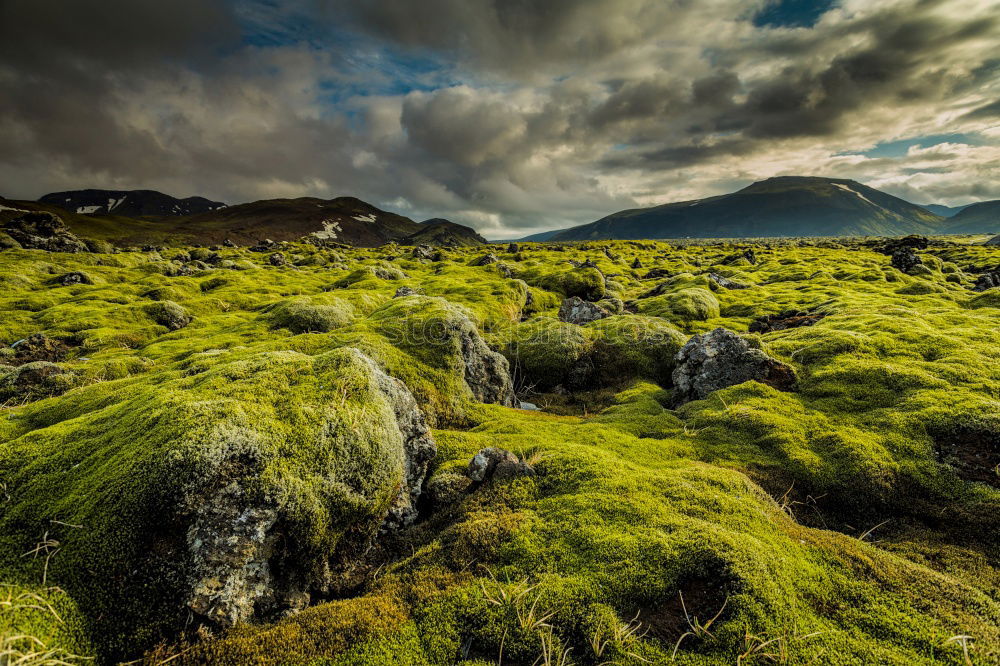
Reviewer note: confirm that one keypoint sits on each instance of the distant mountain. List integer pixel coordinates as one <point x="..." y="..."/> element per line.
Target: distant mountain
<point x="344" y="219"/>
<point x="541" y="237"/>
<point x="979" y="218"/>
<point x="128" y="203"/>
<point x="444" y="233"/>
<point x="782" y="206"/>
<point x="944" y="211"/>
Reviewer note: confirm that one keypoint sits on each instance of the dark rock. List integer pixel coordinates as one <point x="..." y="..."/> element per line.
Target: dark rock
<point x="784" y="320"/>
<point x="905" y="259"/>
<point x="43" y="231"/>
<point x="581" y="375"/>
<point x="75" y="277"/>
<point x="986" y="281"/>
<point x="636" y="264"/>
<point x="497" y="464"/>
<point x="609" y="254"/>
<point x="575" y="310"/>
<point x="504" y="270"/>
<point x="228" y="243"/>
<point x="747" y="254"/>
<point x="277" y="259"/>
<point x="656" y="273"/>
<point x="487" y="373"/>
<point x="419" y="447"/>
<point x="265" y="245"/>
<point x="891" y="246"/>
<point x="513" y="248"/>
<point x="726" y="283"/>
<point x="405" y="291"/>
<point x="721" y="358"/>
<point x="485" y="260"/>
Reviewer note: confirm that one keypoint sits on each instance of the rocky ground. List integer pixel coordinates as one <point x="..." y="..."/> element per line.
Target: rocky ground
<point x="606" y="453"/>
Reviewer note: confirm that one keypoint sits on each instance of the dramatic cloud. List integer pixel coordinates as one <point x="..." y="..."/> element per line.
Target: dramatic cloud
<point x="509" y="115"/>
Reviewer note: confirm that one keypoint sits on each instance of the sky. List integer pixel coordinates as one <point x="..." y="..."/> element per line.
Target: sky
<point x="511" y="116"/>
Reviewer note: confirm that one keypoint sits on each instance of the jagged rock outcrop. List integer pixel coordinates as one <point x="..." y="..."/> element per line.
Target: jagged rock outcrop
<point x="905" y="259"/>
<point x="240" y="564"/>
<point x="487" y="372"/>
<point x="40" y="230"/>
<point x="575" y="310"/>
<point x="485" y="260"/>
<point x="721" y="358"/>
<point x="893" y="245"/>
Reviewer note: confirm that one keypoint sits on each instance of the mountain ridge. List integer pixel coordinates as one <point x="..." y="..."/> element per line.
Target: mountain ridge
<point x="128" y="203"/>
<point x="781" y="206"/>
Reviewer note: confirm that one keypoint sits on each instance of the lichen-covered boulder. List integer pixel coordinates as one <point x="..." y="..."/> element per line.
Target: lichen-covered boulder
<point x="721" y="358"/>
<point x="232" y="493"/>
<point x="575" y="310"/>
<point x="40" y="230"/>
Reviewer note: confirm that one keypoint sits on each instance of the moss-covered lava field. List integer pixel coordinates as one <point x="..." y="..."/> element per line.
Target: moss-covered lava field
<point x="502" y="455"/>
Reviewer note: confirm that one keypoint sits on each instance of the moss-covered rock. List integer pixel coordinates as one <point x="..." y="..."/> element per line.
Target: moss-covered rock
<point x="300" y="315"/>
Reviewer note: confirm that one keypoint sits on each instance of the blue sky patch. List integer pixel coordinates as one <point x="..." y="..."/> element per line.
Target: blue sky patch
<point x="792" y="13"/>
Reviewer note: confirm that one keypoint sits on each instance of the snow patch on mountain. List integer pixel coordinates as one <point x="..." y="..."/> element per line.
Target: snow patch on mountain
<point x="848" y="189"/>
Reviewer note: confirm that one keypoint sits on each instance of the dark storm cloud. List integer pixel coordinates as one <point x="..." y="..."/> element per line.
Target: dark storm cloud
<point x="62" y="62"/>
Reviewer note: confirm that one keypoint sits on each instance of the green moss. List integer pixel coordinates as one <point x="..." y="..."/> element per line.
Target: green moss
<point x="755" y="498"/>
<point x="586" y="283"/>
<point x="682" y="306"/>
<point x="543" y="352"/>
<point x="988" y="299"/>
<point x="300" y="315"/>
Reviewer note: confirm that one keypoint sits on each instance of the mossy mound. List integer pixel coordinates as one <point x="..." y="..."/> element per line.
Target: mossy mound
<point x="301" y="315"/>
<point x="682" y="306"/>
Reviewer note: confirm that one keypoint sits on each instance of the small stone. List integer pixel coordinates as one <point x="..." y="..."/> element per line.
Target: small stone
<point x="495" y="463"/>
<point x="575" y="310"/>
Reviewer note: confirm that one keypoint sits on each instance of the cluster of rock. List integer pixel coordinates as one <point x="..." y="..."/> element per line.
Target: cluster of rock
<point x="40" y="230"/>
